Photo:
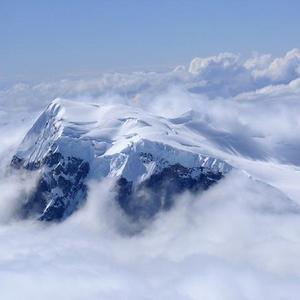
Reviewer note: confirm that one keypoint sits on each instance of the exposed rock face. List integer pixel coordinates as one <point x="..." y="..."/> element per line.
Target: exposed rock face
<point x="159" y="190"/>
<point x="143" y="152"/>
<point x="60" y="189"/>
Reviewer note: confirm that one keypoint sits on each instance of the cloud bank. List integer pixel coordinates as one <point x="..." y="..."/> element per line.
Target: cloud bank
<point x="208" y="246"/>
<point x="239" y="240"/>
<point x="225" y="75"/>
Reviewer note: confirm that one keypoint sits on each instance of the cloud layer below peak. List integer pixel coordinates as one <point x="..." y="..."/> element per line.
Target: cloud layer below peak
<point x="223" y="244"/>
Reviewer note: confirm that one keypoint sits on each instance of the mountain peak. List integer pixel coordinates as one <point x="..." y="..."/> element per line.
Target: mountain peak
<point x="72" y="142"/>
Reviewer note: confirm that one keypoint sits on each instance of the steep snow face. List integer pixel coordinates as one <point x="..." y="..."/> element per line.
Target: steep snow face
<point x="72" y="142"/>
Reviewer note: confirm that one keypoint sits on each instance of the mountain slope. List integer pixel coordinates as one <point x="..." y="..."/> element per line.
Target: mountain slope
<point x="73" y="142"/>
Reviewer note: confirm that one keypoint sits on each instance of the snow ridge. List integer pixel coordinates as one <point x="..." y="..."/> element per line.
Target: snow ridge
<point x="72" y="142"/>
<point x="111" y="138"/>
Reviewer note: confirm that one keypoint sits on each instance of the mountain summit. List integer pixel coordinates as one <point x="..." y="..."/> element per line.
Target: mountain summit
<point x="151" y="158"/>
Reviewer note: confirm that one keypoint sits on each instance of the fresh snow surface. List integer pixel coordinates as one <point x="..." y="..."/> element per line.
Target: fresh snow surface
<point x="112" y="139"/>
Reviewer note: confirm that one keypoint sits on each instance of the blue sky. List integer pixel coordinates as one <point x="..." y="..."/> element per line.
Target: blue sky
<point x="48" y="39"/>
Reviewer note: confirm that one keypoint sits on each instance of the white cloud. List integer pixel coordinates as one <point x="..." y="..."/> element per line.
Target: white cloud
<point x="225" y="75"/>
<point x="208" y="246"/>
<point x="258" y="62"/>
<point x="210" y="65"/>
<point x="281" y="69"/>
<point x="239" y="240"/>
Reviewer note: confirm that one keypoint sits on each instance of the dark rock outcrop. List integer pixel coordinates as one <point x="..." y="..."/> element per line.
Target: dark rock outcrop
<point x="158" y="192"/>
<point x="61" y="187"/>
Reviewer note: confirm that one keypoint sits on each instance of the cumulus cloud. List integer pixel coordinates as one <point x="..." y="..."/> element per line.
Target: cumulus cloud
<point x="207" y="66"/>
<point x="228" y="70"/>
<point x="281" y="69"/>
<point x="258" y="61"/>
<point x="224" y="75"/>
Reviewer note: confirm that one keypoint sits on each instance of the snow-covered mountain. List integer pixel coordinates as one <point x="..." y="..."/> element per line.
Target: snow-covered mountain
<point x="152" y="158"/>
